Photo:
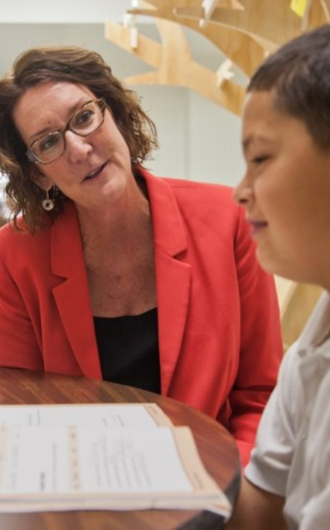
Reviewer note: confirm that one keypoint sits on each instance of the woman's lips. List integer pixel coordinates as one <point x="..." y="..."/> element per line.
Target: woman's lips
<point x="92" y="174"/>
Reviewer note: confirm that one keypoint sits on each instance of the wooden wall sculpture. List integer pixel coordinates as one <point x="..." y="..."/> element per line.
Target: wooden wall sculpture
<point x="174" y="64"/>
<point x="243" y="51"/>
<point x="245" y="31"/>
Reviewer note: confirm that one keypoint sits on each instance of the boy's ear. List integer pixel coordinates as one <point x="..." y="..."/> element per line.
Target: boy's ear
<point x="45" y="183"/>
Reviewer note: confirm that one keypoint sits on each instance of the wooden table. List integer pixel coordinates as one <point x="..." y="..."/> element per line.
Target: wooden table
<point x="216" y="447"/>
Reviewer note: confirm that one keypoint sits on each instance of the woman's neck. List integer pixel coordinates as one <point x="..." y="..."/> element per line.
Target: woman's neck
<point x="126" y="218"/>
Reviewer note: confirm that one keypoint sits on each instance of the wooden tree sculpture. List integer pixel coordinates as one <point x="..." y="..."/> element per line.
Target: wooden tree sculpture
<point x="243" y="30"/>
<point x="174" y="64"/>
<point x="240" y="48"/>
<point x="269" y="22"/>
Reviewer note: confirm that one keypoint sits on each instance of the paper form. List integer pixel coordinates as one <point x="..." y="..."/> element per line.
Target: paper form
<point x="66" y="457"/>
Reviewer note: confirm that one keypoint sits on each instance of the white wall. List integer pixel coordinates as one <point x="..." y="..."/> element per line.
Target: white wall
<point x="77" y="11"/>
<point x="169" y="108"/>
<point x="199" y="140"/>
<point x="214" y="148"/>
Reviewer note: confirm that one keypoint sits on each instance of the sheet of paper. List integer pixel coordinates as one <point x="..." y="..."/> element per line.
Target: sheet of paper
<point x="71" y="459"/>
<point x="53" y="458"/>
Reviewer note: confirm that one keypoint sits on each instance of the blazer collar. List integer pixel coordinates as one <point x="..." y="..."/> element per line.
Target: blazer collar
<point x="169" y="233"/>
<point x="173" y="274"/>
<point x="72" y="294"/>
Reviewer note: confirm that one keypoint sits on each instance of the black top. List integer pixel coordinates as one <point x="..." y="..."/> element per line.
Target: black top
<point x="128" y="350"/>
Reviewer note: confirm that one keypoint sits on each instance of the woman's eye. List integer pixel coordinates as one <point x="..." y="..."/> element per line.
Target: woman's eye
<point x="48" y="142"/>
<point x="84" y="117"/>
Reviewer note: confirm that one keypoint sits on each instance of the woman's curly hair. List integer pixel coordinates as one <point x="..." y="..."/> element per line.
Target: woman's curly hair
<point x="69" y="64"/>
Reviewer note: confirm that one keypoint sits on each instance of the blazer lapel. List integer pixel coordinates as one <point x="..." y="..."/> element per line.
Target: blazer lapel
<point x="72" y="295"/>
<point x="173" y="276"/>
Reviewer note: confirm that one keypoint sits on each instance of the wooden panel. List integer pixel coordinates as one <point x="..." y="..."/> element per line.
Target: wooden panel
<point x="297" y="302"/>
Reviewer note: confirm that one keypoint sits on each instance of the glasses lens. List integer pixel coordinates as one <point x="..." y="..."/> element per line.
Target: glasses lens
<point x="87" y="119"/>
<point x="83" y="122"/>
<point x="49" y="147"/>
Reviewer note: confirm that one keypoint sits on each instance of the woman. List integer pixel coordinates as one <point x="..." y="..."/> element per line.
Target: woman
<point x="286" y="192"/>
<point x="113" y="273"/>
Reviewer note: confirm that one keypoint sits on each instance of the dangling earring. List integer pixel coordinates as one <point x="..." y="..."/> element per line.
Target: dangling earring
<point x="48" y="203"/>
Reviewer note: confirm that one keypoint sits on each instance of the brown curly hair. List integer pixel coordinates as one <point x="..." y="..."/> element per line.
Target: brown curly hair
<point x="73" y="65"/>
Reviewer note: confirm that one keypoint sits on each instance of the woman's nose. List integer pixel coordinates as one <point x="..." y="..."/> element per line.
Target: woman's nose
<point x="77" y="147"/>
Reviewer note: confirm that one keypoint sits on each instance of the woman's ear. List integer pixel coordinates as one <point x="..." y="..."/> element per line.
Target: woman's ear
<point x="41" y="180"/>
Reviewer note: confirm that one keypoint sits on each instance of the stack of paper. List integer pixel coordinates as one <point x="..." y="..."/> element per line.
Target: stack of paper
<point x="100" y="456"/>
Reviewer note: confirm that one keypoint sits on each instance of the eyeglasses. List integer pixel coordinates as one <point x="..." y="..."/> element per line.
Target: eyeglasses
<point x="84" y="121"/>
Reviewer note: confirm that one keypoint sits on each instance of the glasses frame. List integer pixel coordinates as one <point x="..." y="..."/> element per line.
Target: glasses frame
<point x="33" y="157"/>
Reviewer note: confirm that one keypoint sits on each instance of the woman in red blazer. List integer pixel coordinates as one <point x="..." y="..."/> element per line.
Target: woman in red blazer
<point x="110" y="272"/>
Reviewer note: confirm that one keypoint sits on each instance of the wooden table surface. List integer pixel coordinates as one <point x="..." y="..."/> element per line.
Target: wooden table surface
<point x="216" y="447"/>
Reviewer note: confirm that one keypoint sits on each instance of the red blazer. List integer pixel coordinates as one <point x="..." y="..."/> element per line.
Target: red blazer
<point x="219" y="331"/>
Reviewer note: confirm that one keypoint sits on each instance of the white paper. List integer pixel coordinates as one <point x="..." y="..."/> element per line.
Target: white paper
<point x="100" y="457"/>
<point x="70" y="459"/>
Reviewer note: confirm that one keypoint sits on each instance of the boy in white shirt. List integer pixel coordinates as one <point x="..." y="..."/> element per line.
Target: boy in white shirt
<point x="286" y="194"/>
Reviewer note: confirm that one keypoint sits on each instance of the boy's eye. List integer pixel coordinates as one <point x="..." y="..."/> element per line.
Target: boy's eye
<point x="259" y="159"/>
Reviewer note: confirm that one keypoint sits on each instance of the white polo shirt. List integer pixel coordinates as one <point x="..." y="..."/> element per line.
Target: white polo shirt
<point x="292" y="454"/>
